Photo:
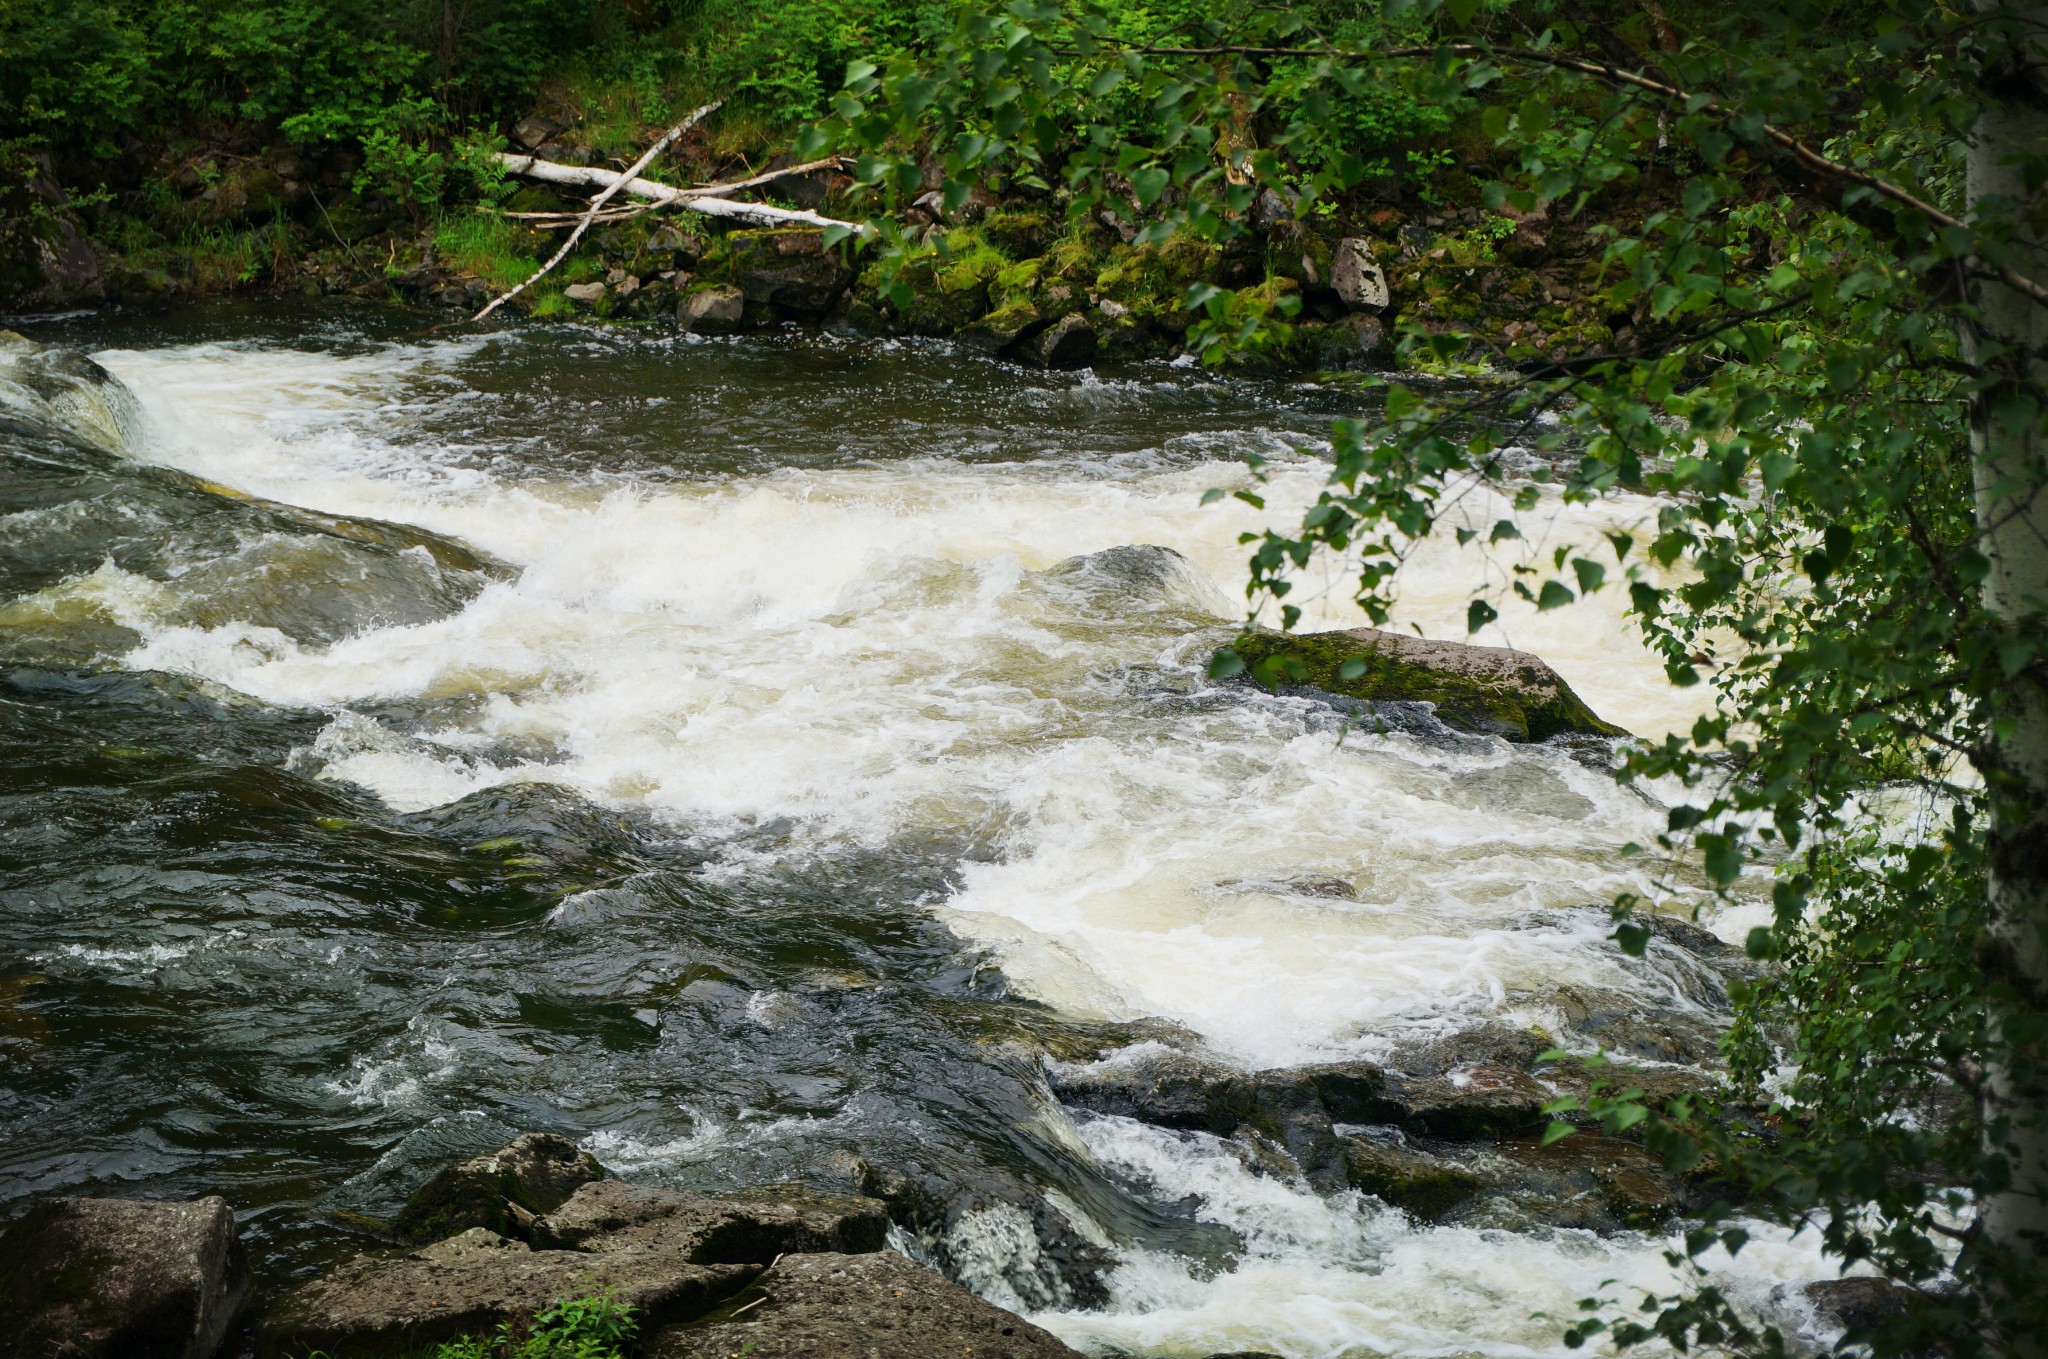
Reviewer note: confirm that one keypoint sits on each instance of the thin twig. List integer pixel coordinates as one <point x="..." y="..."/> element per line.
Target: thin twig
<point x="696" y="116"/>
<point x="337" y="237"/>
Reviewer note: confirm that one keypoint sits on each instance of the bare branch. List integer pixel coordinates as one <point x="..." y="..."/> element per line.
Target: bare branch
<point x="697" y="115"/>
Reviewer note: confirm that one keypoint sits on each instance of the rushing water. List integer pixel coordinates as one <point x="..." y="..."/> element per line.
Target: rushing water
<point x="749" y="756"/>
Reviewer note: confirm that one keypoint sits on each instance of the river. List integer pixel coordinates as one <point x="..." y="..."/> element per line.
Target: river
<point x="751" y="756"/>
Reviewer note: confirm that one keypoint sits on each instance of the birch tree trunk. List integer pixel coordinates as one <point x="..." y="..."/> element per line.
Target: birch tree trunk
<point x="2011" y="466"/>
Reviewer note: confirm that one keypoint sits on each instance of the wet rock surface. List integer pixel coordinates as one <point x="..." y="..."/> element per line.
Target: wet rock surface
<point x="876" y="1306"/>
<point x="1164" y="1088"/>
<point x="751" y="1228"/>
<point x="120" y="1278"/>
<point x="792" y="1269"/>
<point x="380" y="1305"/>
<point x="1490" y="690"/>
<point x="500" y="1192"/>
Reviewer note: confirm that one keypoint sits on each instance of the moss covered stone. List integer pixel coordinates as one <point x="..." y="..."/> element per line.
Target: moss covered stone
<point x="1492" y="690"/>
<point x="1416" y="1182"/>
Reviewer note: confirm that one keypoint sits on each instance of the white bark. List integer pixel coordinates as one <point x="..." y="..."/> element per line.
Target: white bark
<point x="596" y="204"/>
<point x="2012" y="509"/>
<point x="668" y="195"/>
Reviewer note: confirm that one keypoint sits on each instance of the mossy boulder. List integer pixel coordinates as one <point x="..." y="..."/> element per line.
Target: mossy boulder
<point x="1422" y="1185"/>
<point x="1009" y="324"/>
<point x="501" y="1192"/>
<point x="1019" y="234"/>
<point x="1487" y="689"/>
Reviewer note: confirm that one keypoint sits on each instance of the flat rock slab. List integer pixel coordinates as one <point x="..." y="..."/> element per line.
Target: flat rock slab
<point x="878" y="1306"/>
<point x="748" y="1228"/>
<point x="121" y="1278"/>
<point x="378" y="1306"/>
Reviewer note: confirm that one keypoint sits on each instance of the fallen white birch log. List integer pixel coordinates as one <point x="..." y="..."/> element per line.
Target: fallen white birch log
<point x="668" y="195"/>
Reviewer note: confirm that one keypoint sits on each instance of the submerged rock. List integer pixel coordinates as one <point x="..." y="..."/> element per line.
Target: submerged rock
<point x="501" y="1192"/>
<point x="877" y="1306"/>
<point x="120" y="1278"/>
<point x="1487" y="689"/>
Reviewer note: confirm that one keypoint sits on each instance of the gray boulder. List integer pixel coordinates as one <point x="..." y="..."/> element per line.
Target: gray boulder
<point x="790" y="269"/>
<point x="749" y="1228"/>
<point x="1067" y="343"/>
<point x="1354" y="1092"/>
<point x="1860" y="1304"/>
<point x="121" y="1278"/>
<point x="711" y="311"/>
<point x="1470" y="1101"/>
<point x="501" y="1192"/>
<point x="878" y="1306"/>
<point x="1358" y="280"/>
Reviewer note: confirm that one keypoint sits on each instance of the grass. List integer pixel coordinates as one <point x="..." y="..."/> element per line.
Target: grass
<point x="488" y="246"/>
<point x="595" y="1327"/>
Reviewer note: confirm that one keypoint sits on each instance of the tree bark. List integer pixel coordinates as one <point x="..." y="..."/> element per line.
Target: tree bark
<point x="597" y="204"/>
<point x="2010" y="336"/>
<point x="592" y="176"/>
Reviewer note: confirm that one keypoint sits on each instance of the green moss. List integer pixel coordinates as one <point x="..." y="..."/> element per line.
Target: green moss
<point x="1409" y="1180"/>
<point x="1015" y="281"/>
<point x="488" y="246"/>
<point x="1526" y="711"/>
<point x="1018" y="234"/>
<point x="1153" y="280"/>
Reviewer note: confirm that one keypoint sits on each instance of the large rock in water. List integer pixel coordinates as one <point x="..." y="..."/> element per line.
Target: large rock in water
<point x="791" y="269"/>
<point x="500" y="1192"/>
<point x="377" y="1307"/>
<point x="1492" y="690"/>
<point x="878" y="1306"/>
<point x="116" y="1277"/>
<point x="671" y="1256"/>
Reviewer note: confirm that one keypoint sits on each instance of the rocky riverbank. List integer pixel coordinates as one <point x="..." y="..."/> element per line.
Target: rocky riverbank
<point x="1018" y="276"/>
<point x="491" y="1243"/>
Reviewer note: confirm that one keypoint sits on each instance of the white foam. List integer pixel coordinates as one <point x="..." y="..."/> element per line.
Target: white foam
<point x="881" y="652"/>
<point x="1320" y="1278"/>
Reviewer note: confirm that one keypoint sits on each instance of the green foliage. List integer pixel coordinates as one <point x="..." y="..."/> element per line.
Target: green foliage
<point x="596" y="1327"/>
<point x="785" y="59"/>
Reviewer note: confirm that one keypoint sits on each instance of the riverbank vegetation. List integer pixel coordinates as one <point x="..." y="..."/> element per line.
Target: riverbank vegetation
<point x="1779" y="265"/>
